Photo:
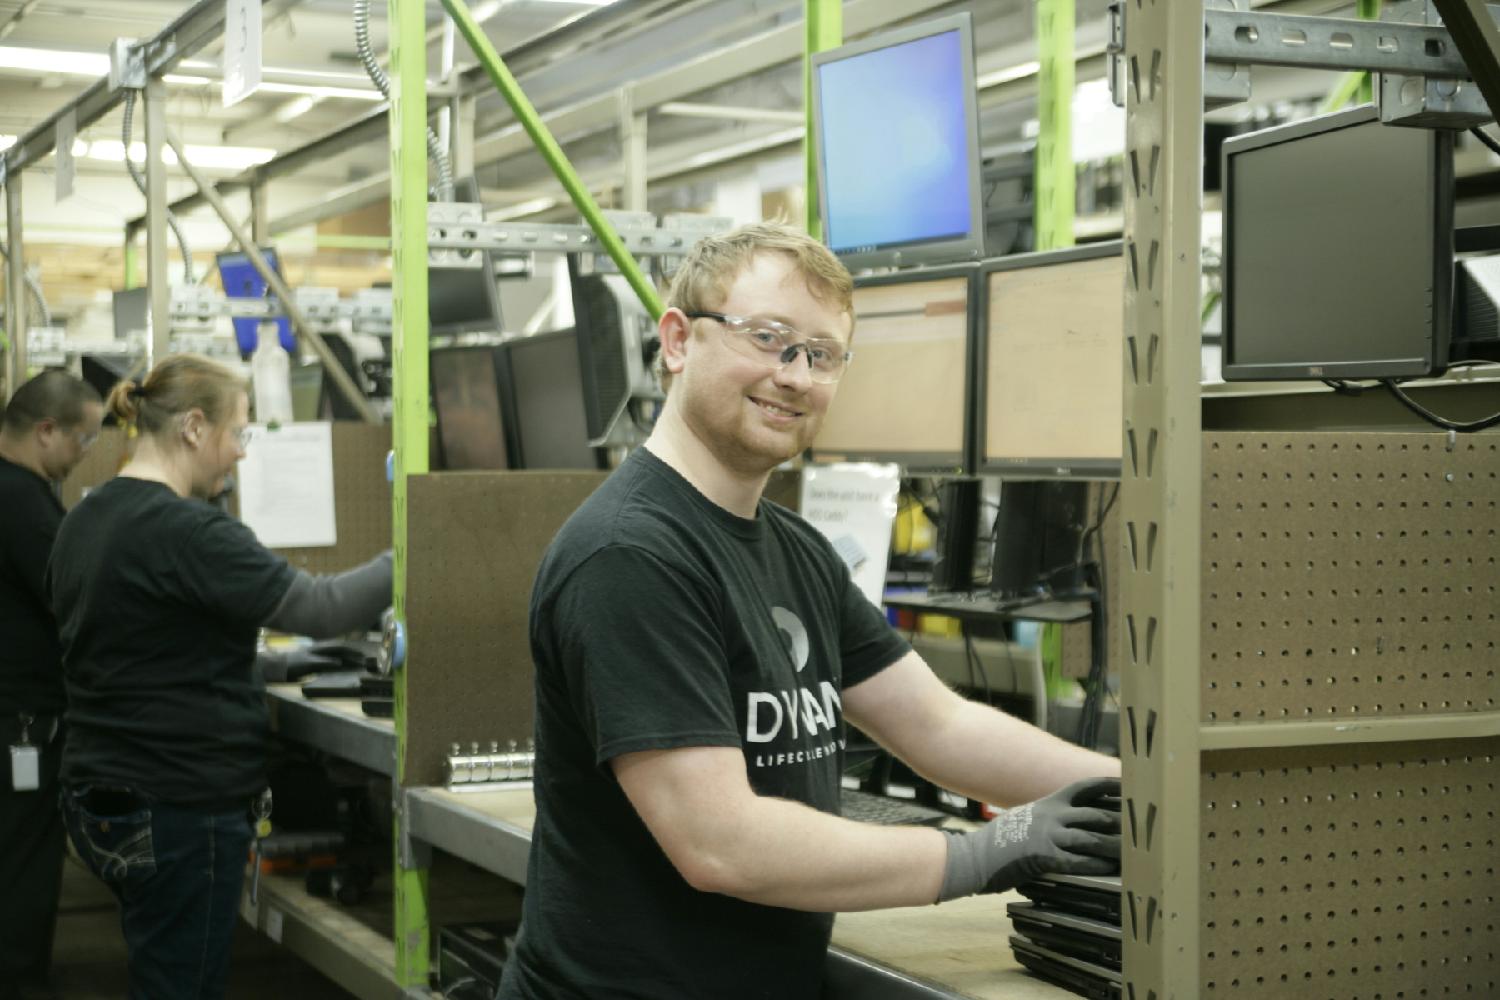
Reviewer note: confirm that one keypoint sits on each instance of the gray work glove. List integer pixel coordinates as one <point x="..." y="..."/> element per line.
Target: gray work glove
<point x="1073" y="831"/>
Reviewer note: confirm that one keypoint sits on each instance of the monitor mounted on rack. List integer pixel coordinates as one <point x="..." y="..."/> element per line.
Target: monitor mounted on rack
<point x="1338" y="250"/>
<point x="896" y="124"/>
<point x="1049" y="394"/>
<point x="905" y="397"/>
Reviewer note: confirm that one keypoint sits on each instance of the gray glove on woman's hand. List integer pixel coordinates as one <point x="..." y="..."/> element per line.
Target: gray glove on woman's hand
<point x="1073" y="831"/>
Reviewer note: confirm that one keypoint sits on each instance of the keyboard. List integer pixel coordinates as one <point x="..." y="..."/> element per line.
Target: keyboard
<point x="864" y="807"/>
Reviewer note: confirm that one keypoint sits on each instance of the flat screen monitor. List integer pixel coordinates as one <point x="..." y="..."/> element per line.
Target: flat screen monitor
<point x="242" y="281"/>
<point x="548" y="405"/>
<point x="468" y="389"/>
<point x="1338" y="250"/>
<point x="132" y="309"/>
<point x="906" y="394"/>
<point x="463" y="299"/>
<point x="897" y="138"/>
<point x="1050" y="362"/>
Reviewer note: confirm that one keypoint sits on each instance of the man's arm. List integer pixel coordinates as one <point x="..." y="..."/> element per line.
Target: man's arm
<point x="962" y="745"/>
<point x="722" y="837"/>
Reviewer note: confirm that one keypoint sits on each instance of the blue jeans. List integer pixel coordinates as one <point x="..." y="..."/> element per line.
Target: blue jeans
<point x="177" y="873"/>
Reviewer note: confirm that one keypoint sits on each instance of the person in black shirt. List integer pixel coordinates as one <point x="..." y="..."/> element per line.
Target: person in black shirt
<point x="159" y="596"/>
<point x="697" y="651"/>
<point x="48" y="424"/>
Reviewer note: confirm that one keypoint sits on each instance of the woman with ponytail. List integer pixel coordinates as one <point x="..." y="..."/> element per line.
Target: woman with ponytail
<point x="159" y="597"/>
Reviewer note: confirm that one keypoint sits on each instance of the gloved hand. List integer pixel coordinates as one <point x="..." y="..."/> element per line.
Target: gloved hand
<point x="1073" y="831"/>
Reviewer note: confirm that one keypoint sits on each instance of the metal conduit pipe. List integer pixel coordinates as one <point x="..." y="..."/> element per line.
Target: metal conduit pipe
<point x="35" y="289"/>
<point x="140" y="182"/>
<point x="383" y="84"/>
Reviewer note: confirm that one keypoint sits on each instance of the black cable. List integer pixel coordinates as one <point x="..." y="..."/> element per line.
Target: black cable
<point x="1343" y="388"/>
<point x="1461" y="427"/>
<point x="1482" y="136"/>
<point x="973" y="655"/>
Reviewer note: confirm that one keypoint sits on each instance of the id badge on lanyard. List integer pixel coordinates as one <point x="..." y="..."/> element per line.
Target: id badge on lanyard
<point x="25" y="761"/>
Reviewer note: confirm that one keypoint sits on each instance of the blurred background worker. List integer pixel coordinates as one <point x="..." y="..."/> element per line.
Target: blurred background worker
<point x="47" y="426"/>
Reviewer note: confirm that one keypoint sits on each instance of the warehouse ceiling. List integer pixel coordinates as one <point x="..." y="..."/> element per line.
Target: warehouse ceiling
<point x="565" y="52"/>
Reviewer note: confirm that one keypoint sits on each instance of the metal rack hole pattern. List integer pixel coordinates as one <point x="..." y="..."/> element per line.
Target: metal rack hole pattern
<point x="1360" y="872"/>
<point x="1349" y="575"/>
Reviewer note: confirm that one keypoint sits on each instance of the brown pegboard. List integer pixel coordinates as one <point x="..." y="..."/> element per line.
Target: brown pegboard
<point x="361" y="500"/>
<point x="1363" y="872"/>
<point x="477" y="539"/>
<point x="99" y="464"/>
<point x="1349" y="575"/>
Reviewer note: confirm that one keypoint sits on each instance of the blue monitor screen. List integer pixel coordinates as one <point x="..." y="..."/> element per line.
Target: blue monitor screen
<point x="243" y="281"/>
<point x="895" y="145"/>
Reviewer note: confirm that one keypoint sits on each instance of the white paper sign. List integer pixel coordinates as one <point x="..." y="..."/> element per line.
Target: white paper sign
<point x="67" y="132"/>
<point x="854" y="504"/>
<point x="241" y="50"/>
<point x="286" y="485"/>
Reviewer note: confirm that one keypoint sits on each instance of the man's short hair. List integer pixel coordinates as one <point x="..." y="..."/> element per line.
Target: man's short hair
<point x="53" y="395"/>
<point x="715" y="262"/>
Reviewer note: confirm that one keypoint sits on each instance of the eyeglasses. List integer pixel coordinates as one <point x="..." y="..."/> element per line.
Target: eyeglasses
<point x="84" y="440"/>
<point x="243" y="437"/>
<point x="777" y="345"/>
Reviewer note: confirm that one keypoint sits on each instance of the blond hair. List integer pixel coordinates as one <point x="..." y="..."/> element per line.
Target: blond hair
<point x="178" y="383"/>
<point x="703" y="279"/>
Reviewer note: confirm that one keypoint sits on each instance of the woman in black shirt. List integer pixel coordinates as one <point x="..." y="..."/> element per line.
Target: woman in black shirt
<point x="159" y="596"/>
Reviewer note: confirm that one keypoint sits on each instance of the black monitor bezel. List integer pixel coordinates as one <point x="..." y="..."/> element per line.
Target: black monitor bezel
<point x="1060" y="467"/>
<point x="498" y="360"/>
<point x="957" y="463"/>
<point x="1440" y="190"/>
<point x="512" y="403"/>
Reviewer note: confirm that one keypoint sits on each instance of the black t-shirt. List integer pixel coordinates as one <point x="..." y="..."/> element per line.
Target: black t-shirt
<point x="659" y="620"/>
<point x="30" y="671"/>
<point x="158" y="599"/>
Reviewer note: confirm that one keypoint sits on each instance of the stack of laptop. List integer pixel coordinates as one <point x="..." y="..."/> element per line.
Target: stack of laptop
<point x="1068" y="932"/>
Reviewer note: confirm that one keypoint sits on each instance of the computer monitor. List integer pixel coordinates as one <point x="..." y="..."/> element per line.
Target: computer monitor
<point x="616" y="346"/>
<point x="905" y="397"/>
<point x="1338" y="250"/>
<point x="132" y="310"/>
<point x="1050" y="371"/>
<point x="547" y="403"/>
<point x="242" y="281"/>
<point x="897" y="137"/>
<point x="469" y="385"/>
<point x="463" y="299"/>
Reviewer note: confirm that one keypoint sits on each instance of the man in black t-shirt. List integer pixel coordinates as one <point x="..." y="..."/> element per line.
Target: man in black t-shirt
<point x="697" y="650"/>
<point x="49" y="423"/>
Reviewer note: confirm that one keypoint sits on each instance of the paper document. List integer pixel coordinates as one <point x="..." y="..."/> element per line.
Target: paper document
<point x="286" y="485"/>
<point x="854" y="504"/>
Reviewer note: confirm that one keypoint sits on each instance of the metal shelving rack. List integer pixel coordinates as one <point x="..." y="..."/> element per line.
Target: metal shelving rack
<point x="1203" y="785"/>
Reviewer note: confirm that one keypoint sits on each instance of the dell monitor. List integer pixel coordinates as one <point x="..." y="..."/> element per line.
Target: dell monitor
<point x="242" y="281"/>
<point x="905" y="397"/>
<point x="469" y="385"/>
<point x="897" y="142"/>
<point x="1050" y="392"/>
<point x="547" y="403"/>
<point x="1338" y="250"/>
<point x="463" y="299"/>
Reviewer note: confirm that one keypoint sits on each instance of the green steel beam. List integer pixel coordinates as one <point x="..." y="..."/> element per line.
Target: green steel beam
<point x="1056" y="181"/>
<point x="1358" y="86"/>
<point x="552" y="153"/>
<point x="408" y="123"/>
<point x="825" y="30"/>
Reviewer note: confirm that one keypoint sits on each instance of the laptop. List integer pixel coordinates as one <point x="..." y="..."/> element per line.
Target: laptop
<point x="1095" y="896"/>
<point x="1078" y="937"/>
<point x="1083" y="978"/>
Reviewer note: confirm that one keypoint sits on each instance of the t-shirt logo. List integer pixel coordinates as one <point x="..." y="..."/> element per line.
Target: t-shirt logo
<point x="794" y="635"/>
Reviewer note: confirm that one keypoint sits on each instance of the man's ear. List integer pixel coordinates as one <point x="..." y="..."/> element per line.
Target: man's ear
<point x="674" y="329"/>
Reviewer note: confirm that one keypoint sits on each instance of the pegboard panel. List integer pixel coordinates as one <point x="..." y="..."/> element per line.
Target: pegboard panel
<point x="477" y="540"/>
<point x="361" y="500"/>
<point x="1349" y="575"/>
<point x="1360" y="872"/>
<point x="98" y="465"/>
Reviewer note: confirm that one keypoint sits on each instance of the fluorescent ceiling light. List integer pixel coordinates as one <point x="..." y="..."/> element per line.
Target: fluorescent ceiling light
<point x="1010" y="75"/>
<point x="54" y="61"/>
<point x="295" y="108"/>
<point x="205" y="157"/>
